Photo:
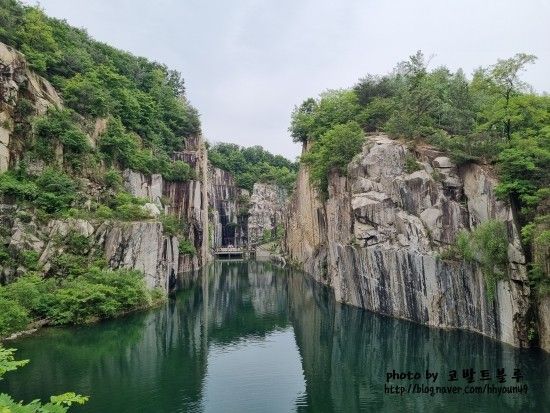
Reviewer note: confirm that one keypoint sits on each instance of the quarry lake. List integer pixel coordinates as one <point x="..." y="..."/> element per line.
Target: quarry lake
<point x="248" y="336"/>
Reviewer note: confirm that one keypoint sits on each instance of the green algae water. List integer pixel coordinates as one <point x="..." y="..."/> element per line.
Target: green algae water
<point x="252" y="337"/>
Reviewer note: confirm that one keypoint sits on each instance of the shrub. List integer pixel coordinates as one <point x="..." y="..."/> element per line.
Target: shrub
<point x="411" y="164"/>
<point x="20" y="189"/>
<point x="332" y="152"/>
<point x="486" y="245"/>
<point x="30" y="292"/>
<point x="13" y="316"/>
<point x="57" y="191"/>
<point x="179" y="171"/>
<point x="171" y="225"/>
<point x="113" y="179"/>
<point x="186" y="247"/>
<point x="98" y="294"/>
<point x="59" y="126"/>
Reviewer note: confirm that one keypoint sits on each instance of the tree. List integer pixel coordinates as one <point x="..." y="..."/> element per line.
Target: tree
<point x="333" y="152"/>
<point x="57" y="404"/>
<point x="505" y="73"/>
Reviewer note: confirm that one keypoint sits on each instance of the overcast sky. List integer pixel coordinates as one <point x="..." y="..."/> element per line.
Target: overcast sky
<point x="247" y="63"/>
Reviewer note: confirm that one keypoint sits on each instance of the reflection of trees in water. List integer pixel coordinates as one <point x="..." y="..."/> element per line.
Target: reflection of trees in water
<point x="346" y="353"/>
<point x="157" y="360"/>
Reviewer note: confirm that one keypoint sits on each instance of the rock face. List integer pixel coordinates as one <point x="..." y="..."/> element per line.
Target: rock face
<point x="142" y="246"/>
<point x="267" y="208"/>
<point x="187" y="200"/>
<point x="17" y="82"/>
<point x="377" y="240"/>
<point x="228" y="210"/>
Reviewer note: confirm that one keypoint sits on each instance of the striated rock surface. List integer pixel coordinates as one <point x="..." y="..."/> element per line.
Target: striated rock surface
<point x="142" y="246"/>
<point x="266" y="211"/>
<point x="227" y="208"/>
<point x="186" y="200"/>
<point x="377" y="240"/>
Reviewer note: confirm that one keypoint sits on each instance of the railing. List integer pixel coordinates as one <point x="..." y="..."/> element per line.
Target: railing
<point x="234" y="251"/>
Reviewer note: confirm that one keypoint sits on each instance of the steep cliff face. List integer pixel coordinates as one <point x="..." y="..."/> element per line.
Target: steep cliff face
<point x="227" y="208"/>
<point x="141" y="245"/>
<point x="18" y="82"/>
<point x="378" y="237"/>
<point x="186" y="200"/>
<point x="266" y="211"/>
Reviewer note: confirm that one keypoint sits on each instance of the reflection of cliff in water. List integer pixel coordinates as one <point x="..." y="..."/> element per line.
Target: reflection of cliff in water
<point x="158" y="360"/>
<point x="346" y="353"/>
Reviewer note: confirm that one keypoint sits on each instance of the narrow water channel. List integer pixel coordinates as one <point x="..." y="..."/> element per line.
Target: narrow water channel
<point x="253" y="337"/>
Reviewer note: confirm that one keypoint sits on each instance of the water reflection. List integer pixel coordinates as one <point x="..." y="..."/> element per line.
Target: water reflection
<point x="250" y="336"/>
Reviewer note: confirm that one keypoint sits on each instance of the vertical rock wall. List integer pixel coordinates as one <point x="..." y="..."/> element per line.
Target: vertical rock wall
<point x="378" y="237"/>
<point x="227" y="217"/>
<point x="266" y="211"/>
<point x="185" y="200"/>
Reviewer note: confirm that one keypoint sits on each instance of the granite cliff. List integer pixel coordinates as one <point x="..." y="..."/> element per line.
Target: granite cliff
<point x="379" y="237"/>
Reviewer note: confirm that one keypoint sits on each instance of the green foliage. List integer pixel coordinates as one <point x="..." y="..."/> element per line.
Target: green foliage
<point x="57" y="404"/>
<point x="125" y="150"/>
<point x="97" y="294"/>
<point x="315" y="117"/>
<point x="332" y="152"/>
<point x="85" y="294"/>
<point x="113" y="179"/>
<point x="53" y="191"/>
<point x="186" y="247"/>
<point x="411" y="164"/>
<point x="171" y="225"/>
<point x="57" y="191"/>
<point x="253" y="164"/>
<point x="8" y="362"/>
<point x="179" y="171"/>
<point x="486" y="245"/>
<point x="60" y="127"/>
<point x="97" y="80"/>
<point x="13" y="317"/>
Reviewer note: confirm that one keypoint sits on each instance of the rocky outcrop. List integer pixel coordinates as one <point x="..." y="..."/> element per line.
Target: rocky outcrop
<point x="266" y="211"/>
<point x="139" y="246"/>
<point x="17" y="82"/>
<point x="377" y="240"/>
<point x="142" y="246"/>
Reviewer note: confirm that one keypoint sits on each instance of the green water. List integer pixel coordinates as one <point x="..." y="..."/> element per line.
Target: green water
<point x="251" y="337"/>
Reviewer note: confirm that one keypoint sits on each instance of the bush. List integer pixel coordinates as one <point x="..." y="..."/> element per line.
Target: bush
<point x="186" y="247"/>
<point x="13" y="316"/>
<point x="57" y="191"/>
<point x="332" y="152"/>
<point x="97" y="294"/>
<point x="486" y="245"/>
<point x="113" y="179"/>
<point x="17" y="188"/>
<point x="58" y="126"/>
<point x="179" y="171"/>
<point x="411" y="164"/>
<point x="171" y="225"/>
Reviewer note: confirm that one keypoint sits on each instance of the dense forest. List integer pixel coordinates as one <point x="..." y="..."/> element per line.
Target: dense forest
<point x="253" y="164"/>
<point x="493" y="118"/>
